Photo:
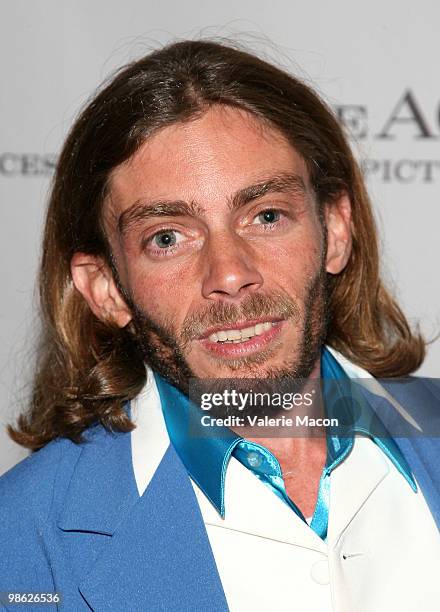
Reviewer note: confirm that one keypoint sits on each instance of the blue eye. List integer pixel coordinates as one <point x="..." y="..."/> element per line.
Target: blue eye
<point x="269" y="216"/>
<point x="165" y="239"/>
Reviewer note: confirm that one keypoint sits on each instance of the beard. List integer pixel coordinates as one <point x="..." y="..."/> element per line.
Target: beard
<point x="163" y="348"/>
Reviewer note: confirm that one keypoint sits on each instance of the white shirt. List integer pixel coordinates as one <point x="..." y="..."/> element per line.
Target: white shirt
<point x="382" y="551"/>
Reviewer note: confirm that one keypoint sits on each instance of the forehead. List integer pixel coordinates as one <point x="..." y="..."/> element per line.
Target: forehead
<point x="204" y="160"/>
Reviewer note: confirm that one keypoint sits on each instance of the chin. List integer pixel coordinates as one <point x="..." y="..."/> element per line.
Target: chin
<point x="258" y="367"/>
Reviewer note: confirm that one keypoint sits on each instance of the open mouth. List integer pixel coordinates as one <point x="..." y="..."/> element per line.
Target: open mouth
<point x="241" y="339"/>
<point x="241" y="335"/>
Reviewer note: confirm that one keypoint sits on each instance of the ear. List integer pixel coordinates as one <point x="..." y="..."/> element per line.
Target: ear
<point x="94" y="280"/>
<point x="339" y="237"/>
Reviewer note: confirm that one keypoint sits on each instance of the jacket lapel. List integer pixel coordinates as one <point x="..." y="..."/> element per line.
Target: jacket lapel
<point x="349" y="492"/>
<point x="102" y="488"/>
<point x="421" y="397"/>
<point x="419" y="445"/>
<point x="158" y="554"/>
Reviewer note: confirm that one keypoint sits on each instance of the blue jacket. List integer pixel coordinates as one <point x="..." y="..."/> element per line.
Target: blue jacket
<point x="72" y="520"/>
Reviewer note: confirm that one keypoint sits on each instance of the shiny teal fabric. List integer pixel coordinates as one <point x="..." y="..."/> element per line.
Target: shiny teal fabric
<point x="206" y="451"/>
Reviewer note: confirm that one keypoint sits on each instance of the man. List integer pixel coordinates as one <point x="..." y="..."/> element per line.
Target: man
<point x="208" y="221"/>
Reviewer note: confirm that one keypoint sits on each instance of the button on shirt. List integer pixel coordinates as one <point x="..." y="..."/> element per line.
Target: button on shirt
<point x="374" y="547"/>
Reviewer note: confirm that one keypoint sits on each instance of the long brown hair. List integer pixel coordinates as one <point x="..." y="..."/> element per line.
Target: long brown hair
<point x="86" y="368"/>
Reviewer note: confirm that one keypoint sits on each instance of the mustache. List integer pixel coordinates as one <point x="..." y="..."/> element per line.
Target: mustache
<point x="253" y="306"/>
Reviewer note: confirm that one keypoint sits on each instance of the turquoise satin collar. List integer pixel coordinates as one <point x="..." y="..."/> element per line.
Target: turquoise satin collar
<point x="341" y="397"/>
<point x="205" y="451"/>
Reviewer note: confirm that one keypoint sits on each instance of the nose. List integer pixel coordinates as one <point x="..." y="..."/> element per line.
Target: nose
<point x="230" y="268"/>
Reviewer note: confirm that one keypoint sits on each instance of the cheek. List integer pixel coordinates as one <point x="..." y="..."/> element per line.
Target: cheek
<point x="295" y="264"/>
<point x="161" y="293"/>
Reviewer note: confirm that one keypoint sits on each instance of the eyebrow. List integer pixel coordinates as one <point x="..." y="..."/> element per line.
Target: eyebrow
<point x="143" y="209"/>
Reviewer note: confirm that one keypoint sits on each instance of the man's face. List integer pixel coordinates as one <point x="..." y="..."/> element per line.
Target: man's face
<point x="220" y="250"/>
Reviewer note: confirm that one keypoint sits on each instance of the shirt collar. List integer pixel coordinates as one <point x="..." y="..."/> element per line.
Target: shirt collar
<point x="346" y="399"/>
<point x="205" y="451"/>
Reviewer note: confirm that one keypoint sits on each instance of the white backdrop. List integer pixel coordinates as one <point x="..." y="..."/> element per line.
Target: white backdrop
<point x="375" y="62"/>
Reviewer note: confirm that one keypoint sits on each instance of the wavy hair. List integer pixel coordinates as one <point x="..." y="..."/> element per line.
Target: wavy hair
<point x="86" y="368"/>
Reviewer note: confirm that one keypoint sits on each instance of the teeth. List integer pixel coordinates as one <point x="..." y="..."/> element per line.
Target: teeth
<point x="259" y="329"/>
<point x="240" y="335"/>
<point x="234" y="334"/>
<point x="248" y="332"/>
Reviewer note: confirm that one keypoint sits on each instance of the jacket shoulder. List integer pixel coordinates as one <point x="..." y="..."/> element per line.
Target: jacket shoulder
<point x="28" y="486"/>
<point x="27" y="491"/>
